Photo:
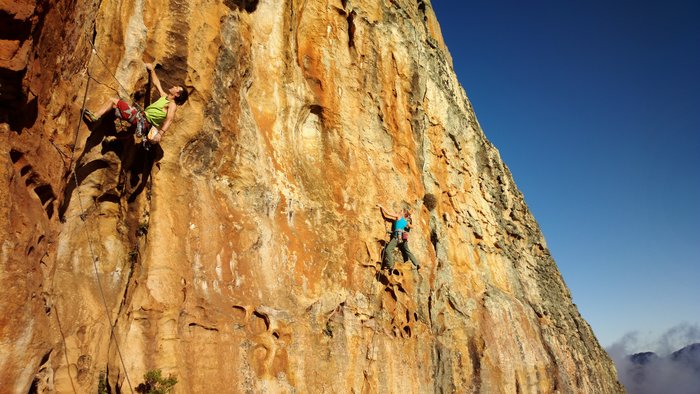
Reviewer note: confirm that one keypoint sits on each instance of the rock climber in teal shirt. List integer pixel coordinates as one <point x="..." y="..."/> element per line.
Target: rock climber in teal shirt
<point x="401" y="225"/>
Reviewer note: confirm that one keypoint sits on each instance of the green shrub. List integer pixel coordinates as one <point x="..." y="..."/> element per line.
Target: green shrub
<point x="155" y="383"/>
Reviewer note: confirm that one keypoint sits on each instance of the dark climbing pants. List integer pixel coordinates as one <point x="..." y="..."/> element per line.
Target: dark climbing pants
<point x="405" y="252"/>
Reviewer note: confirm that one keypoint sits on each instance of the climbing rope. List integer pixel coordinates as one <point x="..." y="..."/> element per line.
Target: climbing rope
<point x="93" y="52"/>
<point x="106" y="67"/>
<point x="65" y="348"/>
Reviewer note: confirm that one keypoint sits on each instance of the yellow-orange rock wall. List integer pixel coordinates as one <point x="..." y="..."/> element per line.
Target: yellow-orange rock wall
<point x="243" y="254"/>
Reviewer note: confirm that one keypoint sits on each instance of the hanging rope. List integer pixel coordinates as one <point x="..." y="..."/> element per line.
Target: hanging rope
<point x="106" y="67"/>
<point x="65" y="348"/>
<point x="94" y="259"/>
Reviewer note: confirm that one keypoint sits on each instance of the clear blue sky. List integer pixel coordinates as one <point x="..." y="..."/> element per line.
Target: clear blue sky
<point x="595" y="108"/>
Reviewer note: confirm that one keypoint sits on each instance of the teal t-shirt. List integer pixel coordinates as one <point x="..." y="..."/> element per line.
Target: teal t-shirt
<point x="400" y="224"/>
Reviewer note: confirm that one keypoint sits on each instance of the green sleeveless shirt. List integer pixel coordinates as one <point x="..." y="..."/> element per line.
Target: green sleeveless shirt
<point x="157" y="112"/>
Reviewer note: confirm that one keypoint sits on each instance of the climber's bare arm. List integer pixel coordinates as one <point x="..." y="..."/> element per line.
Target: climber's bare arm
<point x="387" y="215"/>
<point x="151" y="69"/>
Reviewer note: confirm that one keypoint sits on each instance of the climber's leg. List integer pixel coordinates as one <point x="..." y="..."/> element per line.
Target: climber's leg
<point x="389" y="254"/>
<point x="407" y="255"/>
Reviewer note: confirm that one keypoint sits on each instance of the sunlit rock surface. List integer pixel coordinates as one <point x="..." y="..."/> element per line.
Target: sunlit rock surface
<point x="243" y="256"/>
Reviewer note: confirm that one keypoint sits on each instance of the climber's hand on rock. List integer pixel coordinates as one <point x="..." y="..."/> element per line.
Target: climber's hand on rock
<point x="155" y="138"/>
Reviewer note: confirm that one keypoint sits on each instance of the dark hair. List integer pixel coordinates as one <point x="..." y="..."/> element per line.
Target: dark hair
<point x="182" y="97"/>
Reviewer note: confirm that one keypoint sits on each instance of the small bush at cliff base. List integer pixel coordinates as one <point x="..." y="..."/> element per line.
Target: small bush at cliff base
<point x="430" y="201"/>
<point x="155" y="383"/>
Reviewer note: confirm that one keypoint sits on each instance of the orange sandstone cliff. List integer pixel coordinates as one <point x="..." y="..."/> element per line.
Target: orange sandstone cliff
<point x="242" y="255"/>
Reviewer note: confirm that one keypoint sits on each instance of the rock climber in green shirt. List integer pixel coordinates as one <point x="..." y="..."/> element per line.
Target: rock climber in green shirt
<point x="151" y="122"/>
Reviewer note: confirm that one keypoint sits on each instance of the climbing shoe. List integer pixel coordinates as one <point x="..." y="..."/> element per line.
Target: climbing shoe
<point x="89" y="117"/>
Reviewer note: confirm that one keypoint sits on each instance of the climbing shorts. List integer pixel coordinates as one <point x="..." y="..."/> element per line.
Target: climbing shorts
<point x="126" y="112"/>
<point x="133" y="116"/>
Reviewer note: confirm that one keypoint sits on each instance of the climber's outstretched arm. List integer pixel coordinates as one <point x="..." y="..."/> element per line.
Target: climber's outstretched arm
<point x="387" y="215"/>
<point x="151" y="69"/>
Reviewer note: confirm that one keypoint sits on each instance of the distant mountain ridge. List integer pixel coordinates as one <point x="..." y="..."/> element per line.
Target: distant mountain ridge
<point x="689" y="356"/>
<point x="649" y="373"/>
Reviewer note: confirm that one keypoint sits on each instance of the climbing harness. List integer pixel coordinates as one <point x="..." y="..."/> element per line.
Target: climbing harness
<point x="141" y="124"/>
<point x="401" y="235"/>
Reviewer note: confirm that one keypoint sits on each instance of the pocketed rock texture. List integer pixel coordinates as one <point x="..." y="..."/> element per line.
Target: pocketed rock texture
<point x="244" y="255"/>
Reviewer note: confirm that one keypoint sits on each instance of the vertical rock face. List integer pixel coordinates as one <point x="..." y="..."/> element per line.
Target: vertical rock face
<point x="244" y="255"/>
